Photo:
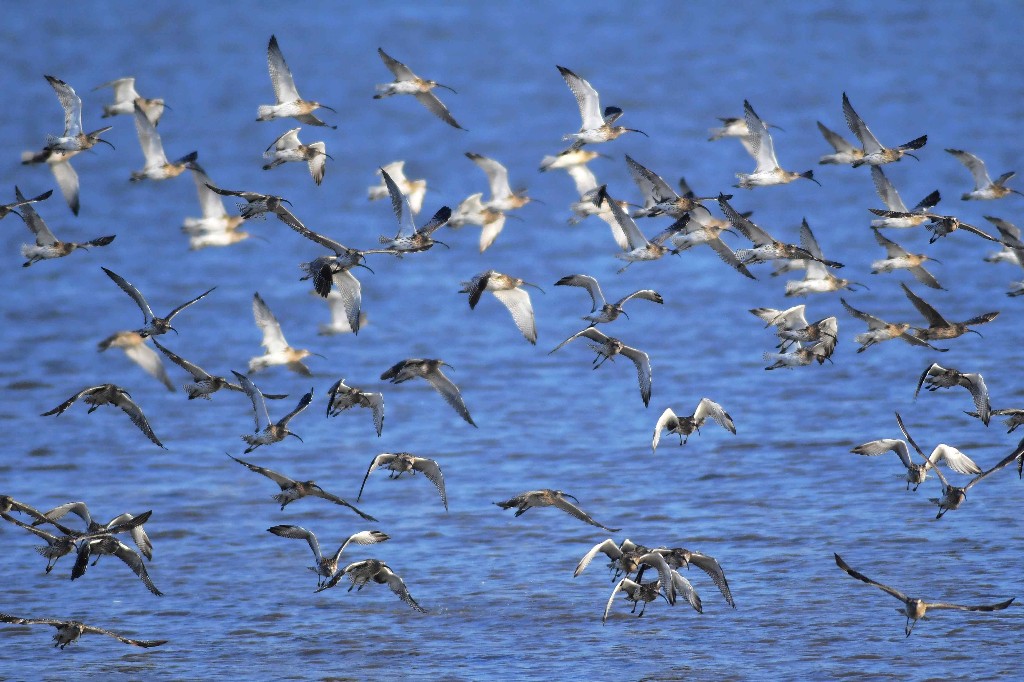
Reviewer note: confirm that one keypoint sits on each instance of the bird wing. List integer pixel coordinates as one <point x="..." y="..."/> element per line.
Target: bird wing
<point x="568" y="507"/>
<point x="877" y="447"/>
<point x="303" y="403"/>
<point x="646" y="294"/>
<point x="198" y="373"/>
<point x="863" y="578"/>
<point x="273" y="337"/>
<point x="138" y="532"/>
<point x="432" y="471"/>
<point x="70" y="401"/>
<point x="149" y="360"/>
<point x="44" y="237"/>
<point x="955" y="460"/>
<point x="727" y="255"/>
<point x="377" y="405"/>
<point x="643" y="370"/>
<point x="145" y="643"/>
<point x="582" y="177"/>
<point x="287" y="140"/>
<point x="590" y="332"/>
<point x="588" y="283"/>
<point x="586" y="99"/>
<point x="71" y="103"/>
<point x="652" y="186"/>
<point x="438" y="221"/>
<point x="892" y="249"/>
<point x="663" y="421"/>
<point x="755" y="233"/>
<point x="868" y="141"/>
<point x="974" y="230"/>
<point x="975" y="165"/>
<point x="132" y="559"/>
<point x="450" y="392"/>
<point x="924" y="277"/>
<point x="681" y="585"/>
<point x="929" y="313"/>
<point x="836" y="141"/>
<point x="610" y="549"/>
<point x="492" y="227"/>
<point x="709" y="408"/>
<point x="760" y="140"/>
<point x="960" y="607"/>
<point x="906" y="434"/>
<point x="656" y="561"/>
<point x="872" y="321"/>
<point x="886" y="191"/>
<point x="975" y="383"/>
<point x="808" y="241"/>
<point x="710" y="565"/>
<point x="149" y="140"/>
<point x="67" y="180"/>
<point x="397" y="586"/>
<point x="497" y="175"/>
<point x="518" y="303"/>
<point x="624" y="585"/>
<point x="400" y="205"/>
<point x="934" y="374"/>
<point x="170" y="315"/>
<point x="1009" y="232"/>
<point x="134" y="412"/>
<point x="280" y="74"/>
<point x="926" y="203"/>
<point x="318" y="162"/>
<point x="1018" y="453"/>
<point x="347" y="296"/>
<point x="436" y="107"/>
<point x="363" y="537"/>
<point x="280" y="479"/>
<point x="379" y="460"/>
<point x="79" y="509"/>
<point x="635" y="239"/>
<point x="397" y="68"/>
<point x="129" y="289"/>
<point x="259" y="405"/>
<point x="299" y="533"/>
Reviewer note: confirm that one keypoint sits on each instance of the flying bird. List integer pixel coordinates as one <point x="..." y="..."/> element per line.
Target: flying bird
<point x="874" y="153"/>
<point x="607" y="348"/>
<point x="267" y="432"/>
<point x="157" y="166"/>
<point x="408" y="83"/>
<point x="341" y="397"/>
<point x="606" y="312"/>
<point x="402" y="462"/>
<point x="935" y="376"/>
<point x="153" y="325"/>
<point x="550" y="498"/>
<point x="74" y="139"/>
<point x="276" y="348"/>
<point x="598" y="125"/>
<point x="109" y="394"/>
<point x="430" y="370"/>
<point x="69" y="631"/>
<point x="289" y="103"/>
<point x="287" y="148"/>
<point x="687" y="424"/>
<point x="47" y="245"/>
<point x="767" y="171"/>
<point x="508" y="290"/>
<point x="984" y="186"/>
<point x="327" y="566"/>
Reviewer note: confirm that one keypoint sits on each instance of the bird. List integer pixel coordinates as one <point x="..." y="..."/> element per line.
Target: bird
<point x="598" y="125"/>
<point x="339" y="305"/>
<point x="57" y="546"/>
<point x="550" y="498"/>
<point x="104" y="544"/>
<point x="122" y="521"/>
<point x="69" y="631"/>
<point x="362" y="572"/>
<point x="46" y="245"/>
<point x="63" y="173"/>
<point x="938" y="327"/>
<point x="203" y="383"/>
<point x="659" y="198"/>
<point x="134" y="346"/>
<point x="879" y="330"/>
<point x="509" y="291"/>
<point x="638" y="593"/>
<point x="267" y="432"/>
<point x="275" y="346"/>
<point x="408" y="83"/>
<point x="401" y="462"/>
<point x="287" y="148"/>
<point x="472" y="211"/>
<point x="799" y="357"/>
<point x="1014" y="417"/>
<point x="341" y="397"/>
<point x="608" y="347"/>
<point x="289" y="103"/>
<point x="940" y="225"/>
<point x="767" y="171"/>
<point x="568" y="158"/>
<point x="637" y="246"/>
<point x="292" y="489"/>
<point x="430" y="370"/>
<point x="609" y="312"/>
<point x="109" y="394"/>
<point x="984" y="186"/>
<point x="73" y="139"/>
<point x="154" y="325"/>
<point x="900" y="217"/>
<point x="874" y="153"/>
<point x="817" y="278"/>
<point x="157" y="166"/>
<point x="913" y="608"/>
<point x="411" y="239"/>
<point x="766" y="247"/>
<point x="845" y="153"/>
<point x="1009" y="235"/>
<point x="898" y="258"/>
<point x="126" y="97"/>
<point x="687" y="424"/>
<point x="502" y="196"/>
<point x="258" y="205"/>
<point x="216" y="227"/>
<point x="327" y="566"/>
<point x="935" y="376"/>
<point x="414" y="190"/>
<point x="700" y="227"/>
<point x="793" y="318"/>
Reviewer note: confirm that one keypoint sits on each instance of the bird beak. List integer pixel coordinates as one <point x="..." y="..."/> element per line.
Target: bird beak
<point x="363" y="265"/>
<point x="440" y="85"/>
<point x="975" y="332"/>
<point x="438" y="241"/>
<point x="850" y="285"/>
<point x="297" y="436"/>
<point x="285" y="201"/>
<point x="445" y="364"/>
<point x="329" y="156"/>
<point x="913" y="157"/>
<point x="935" y="260"/>
<point x="173" y="329"/>
<point x="625" y="314"/>
<point x="105" y="142"/>
<point x="634" y="130"/>
<point x="531" y="284"/>
<point x="319" y="356"/>
<point x="324" y="106"/>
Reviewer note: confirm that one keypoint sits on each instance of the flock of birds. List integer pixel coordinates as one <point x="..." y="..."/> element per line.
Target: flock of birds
<point x="799" y="342"/>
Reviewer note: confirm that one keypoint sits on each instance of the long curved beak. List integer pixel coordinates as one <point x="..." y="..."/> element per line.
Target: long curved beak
<point x="318" y="355"/>
<point x="445" y="364"/>
<point x="297" y="436"/>
<point x="324" y="106"/>
<point x="363" y="265"/>
<point x="634" y="130"/>
<point x="285" y="201"/>
<point x="531" y="284"/>
<point x="441" y="85"/>
<point x="935" y="260"/>
<point x="105" y="142"/>
<point x="438" y="241"/>
<point x="850" y="285"/>
<point x="625" y="314"/>
<point x="168" y="106"/>
<point x="911" y="155"/>
<point x="329" y="156"/>
<point x="974" y="331"/>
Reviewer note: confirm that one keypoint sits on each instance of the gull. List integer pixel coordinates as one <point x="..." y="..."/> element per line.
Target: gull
<point x="473" y="211"/>
<point x="108" y="544"/>
<point x="125" y="99"/>
<point x="608" y="311"/>
<point x="401" y="462"/>
<point x="408" y="83"/>
<point x="276" y="348"/>
<point x="845" y="153"/>
<point x="73" y="139"/>
<point x="258" y="205"/>
<point x="548" y="498"/>
<point x="935" y="376"/>
<point x="414" y="190"/>
<point x="47" y="246"/>
<point x="109" y="394"/>
<point x="874" y="153"/>
<point x="410" y="239"/>
<point x="63" y="173"/>
<point x="327" y="566"/>
<point x="288" y="101"/>
<point x="1012" y="245"/>
<point x="913" y="608"/>
<point x="288" y="148"/>
<point x="506" y="289"/>
<point x="271" y="432"/>
<point x="767" y="171"/>
<point x="154" y="325"/>
<point x="134" y="346"/>
<point x="203" y="383"/>
<point x="157" y="166"/>
<point x="879" y="330"/>
<point x="216" y="227"/>
<point x="607" y="348"/>
<point x="938" y="327"/>
<point x="900" y="216"/>
<point x="292" y="489"/>
<point x="362" y="572"/>
<point x="766" y="247"/>
<point x="954" y="496"/>
<point x="638" y="247"/>
<point x="502" y="196"/>
<point x="124" y="521"/>
<point x="659" y="198"/>
<point x="597" y="124"/>
<point x="898" y="258"/>
<point x="940" y="225"/>
<point x="984" y="186"/>
<point x="430" y="370"/>
<point x="341" y="397"/>
<point x="817" y="278"/>
<point x="687" y="424"/>
<point x="69" y="631"/>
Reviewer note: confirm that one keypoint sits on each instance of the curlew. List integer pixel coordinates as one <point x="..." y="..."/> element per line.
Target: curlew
<point x="134" y="346"/>
<point x="597" y="125"/>
<point x="157" y="166"/>
<point x="414" y="190"/>
<point x="767" y="172"/>
<point x="267" y="432"/>
<point x="74" y="138"/>
<point x="844" y="152"/>
<point x="69" y="631"/>
<point x="898" y="215"/>
<point x="898" y="258"/>
<point x="126" y="97"/>
<point x="362" y="572"/>
<point x="607" y="348"/>
<point x="275" y="346"/>
<point x="154" y="325"/>
<point x="287" y="148"/>
<point x="984" y="186"/>
<point x="203" y="383"/>
<point x="46" y="245"/>
<point x="289" y="103"/>
<point x="879" y="330"/>
<point x="938" y="327"/>
<point x="550" y="498"/>
<point x="216" y="227"/>
<point x="687" y="424"/>
<point x="429" y="370"/>
<point x="606" y="312"/>
<point x="508" y="290"/>
<point x="401" y="462"/>
<point x="408" y="83"/>
<point x="327" y="566"/>
<point x="341" y="397"/>
<point x="292" y="489"/>
<point x="874" y="153"/>
<point x="935" y="376"/>
<point x="109" y="394"/>
<point x="411" y="239"/>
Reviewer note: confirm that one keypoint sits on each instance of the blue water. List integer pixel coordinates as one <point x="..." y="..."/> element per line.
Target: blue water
<point x="771" y="503"/>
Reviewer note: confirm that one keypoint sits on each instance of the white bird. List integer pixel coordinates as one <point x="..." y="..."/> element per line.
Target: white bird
<point x="157" y="166"/>
<point x="608" y="311"/>
<point x="216" y="227"/>
<point x="267" y="432"/>
<point x="984" y="186"/>
<point x="408" y="83"/>
<point x="891" y="198"/>
<point x="414" y="190"/>
<point x="874" y="153"/>
<point x="597" y="125"/>
<point x="341" y="397"/>
<point x="817" y="278"/>
<point x="47" y="245"/>
<point x="402" y="462"/>
<point x="63" y="172"/>
<point x="287" y="148"/>
<point x="74" y="138"/>
<point x="134" y="346"/>
<point x="277" y="350"/>
<point x="845" y="153"/>
<point x="289" y="103"/>
<point x="125" y="98"/>
<point x="153" y="325"/>
<point x="767" y="171"/>
<point x="502" y="196"/>
<point x="935" y="376"/>
<point x="898" y="258"/>
<point x="472" y="211"/>
<point x="429" y="370"/>
<point x="506" y="289"/>
<point x="607" y="348"/>
<point x="687" y="424"/>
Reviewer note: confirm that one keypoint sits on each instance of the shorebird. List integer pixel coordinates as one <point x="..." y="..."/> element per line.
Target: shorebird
<point x="549" y="498"/>
<point x="288" y="101"/>
<point x="879" y="330"/>
<point x="687" y="424"/>
<point x="768" y="171"/>
<point x="608" y="311"/>
<point x="47" y="246"/>
<point x="327" y="566"/>
<point x="506" y="289"/>
<point x="568" y="158"/>
<point x="410" y="239"/>
<point x="408" y="83"/>
<point x="341" y="397"/>
<point x="954" y="496"/>
<point x="900" y="217"/>
<point x="502" y="196"/>
<point x="799" y="357"/>
<point x="288" y="148"/>
<point x="1012" y="246"/>
<point x="607" y="348"/>
<point x="275" y="346"/>
<point x="845" y="153"/>
<point x="125" y="99"/>
<point x="73" y="139"/>
<point x="766" y="247"/>
<point x="935" y="376"/>
<point x="1014" y="418"/>
<point x="400" y="462"/>
<point x="915" y="609"/>
<point x="940" y="225"/>
<point x="588" y="204"/>
<point x="362" y="572"/>
<point x="659" y="198"/>
<point x="414" y="190"/>
<point x="216" y="227"/>
<point x="203" y="383"/>
<point x="874" y="153"/>
<point x="817" y="278"/>
<point x="63" y="173"/>
<point x="292" y="489"/>
<point x="154" y="325"/>
<point x="700" y="227"/>
<point x="472" y="211"/>
<point x="938" y="327"/>
<point x="638" y="593"/>
<point x="597" y="124"/>
<point x="258" y="205"/>
<point x="783" y="320"/>
<point x="984" y="186"/>
<point x="109" y="394"/>
<point x="735" y="127"/>
<point x="267" y="432"/>
<point x="125" y="521"/>
<point x="106" y="544"/>
<point x="57" y="546"/>
<point x="69" y="631"/>
<point x="638" y="247"/>
<point x="430" y="370"/>
<point x="898" y="258"/>
<point x="134" y="346"/>
<point x="157" y="166"/>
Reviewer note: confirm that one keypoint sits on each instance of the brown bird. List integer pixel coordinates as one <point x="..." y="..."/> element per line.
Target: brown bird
<point x="550" y="498"/>
<point x="69" y="631"/>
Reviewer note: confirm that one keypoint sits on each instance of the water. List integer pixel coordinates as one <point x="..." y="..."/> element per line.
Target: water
<point x="771" y="503"/>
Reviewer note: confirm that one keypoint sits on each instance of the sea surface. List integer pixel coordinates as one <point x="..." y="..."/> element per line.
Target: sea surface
<point x="772" y="503"/>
